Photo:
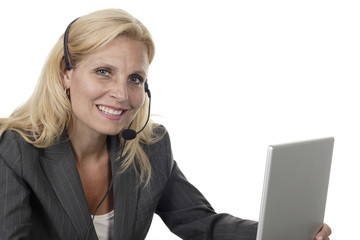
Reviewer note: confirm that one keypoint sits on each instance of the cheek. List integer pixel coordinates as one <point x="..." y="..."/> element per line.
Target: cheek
<point x="84" y="87"/>
<point x="137" y="99"/>
<point x="81" y="95"/>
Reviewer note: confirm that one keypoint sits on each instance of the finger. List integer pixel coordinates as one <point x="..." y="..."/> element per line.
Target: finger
<point x="324" y="233"/>
<point x="326" y="230"/>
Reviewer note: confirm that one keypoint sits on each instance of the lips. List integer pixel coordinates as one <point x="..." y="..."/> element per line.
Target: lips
<point x="109" y="111"/>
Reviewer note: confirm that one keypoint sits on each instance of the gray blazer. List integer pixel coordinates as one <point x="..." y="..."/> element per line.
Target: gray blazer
<point x="41" y="196"/>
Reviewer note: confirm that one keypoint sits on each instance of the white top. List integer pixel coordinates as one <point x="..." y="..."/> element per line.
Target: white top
<point x="104" y="226"/>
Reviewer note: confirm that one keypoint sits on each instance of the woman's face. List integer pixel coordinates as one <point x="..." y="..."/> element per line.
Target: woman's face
<point x="107" y="87"/>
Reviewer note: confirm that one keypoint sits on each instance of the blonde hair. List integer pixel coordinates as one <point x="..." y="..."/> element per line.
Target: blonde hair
<point x="47" y="113"/>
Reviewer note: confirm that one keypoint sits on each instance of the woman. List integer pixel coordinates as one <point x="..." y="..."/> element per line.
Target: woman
<point x="69" y="168"/>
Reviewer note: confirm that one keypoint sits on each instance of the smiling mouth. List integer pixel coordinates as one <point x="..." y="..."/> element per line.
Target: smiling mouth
<point x="109" y="111"/>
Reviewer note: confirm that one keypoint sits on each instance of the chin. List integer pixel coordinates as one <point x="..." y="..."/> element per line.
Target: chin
<point x="110" y="131"/>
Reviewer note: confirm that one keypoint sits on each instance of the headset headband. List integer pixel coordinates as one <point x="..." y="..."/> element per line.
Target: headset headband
<point x="68" y="65"/>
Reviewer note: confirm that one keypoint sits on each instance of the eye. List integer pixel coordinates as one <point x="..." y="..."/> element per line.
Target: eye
<point x="103" y="72"/>
<point x="136" y="79"/>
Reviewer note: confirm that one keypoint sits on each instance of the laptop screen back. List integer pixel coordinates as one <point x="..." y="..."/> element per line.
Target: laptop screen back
<point x="295" y="190"/>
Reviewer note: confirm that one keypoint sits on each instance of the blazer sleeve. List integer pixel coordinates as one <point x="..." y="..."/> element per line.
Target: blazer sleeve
<point x="190" y="216"/>
<point x="15" y="213"/>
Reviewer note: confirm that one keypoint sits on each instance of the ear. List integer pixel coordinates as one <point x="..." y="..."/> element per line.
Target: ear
<point x="67" y="76"/>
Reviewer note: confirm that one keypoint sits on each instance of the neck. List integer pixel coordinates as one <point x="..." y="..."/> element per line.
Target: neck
<point x="88" y="147"/>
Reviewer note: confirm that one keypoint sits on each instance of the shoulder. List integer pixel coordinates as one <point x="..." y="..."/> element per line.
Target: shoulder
<point x="13" y="147"/>
<point x="159" y="152"/>
<point x="9" y="141"/>
<point x="161" y="142"/>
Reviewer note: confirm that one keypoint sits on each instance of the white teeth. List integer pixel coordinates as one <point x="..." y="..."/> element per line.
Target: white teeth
<point x="109" y="111"/>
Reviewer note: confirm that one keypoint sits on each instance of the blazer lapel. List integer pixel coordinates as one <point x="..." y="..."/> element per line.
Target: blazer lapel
<point x="60" y="168"/>
<point x="125" y="190"/>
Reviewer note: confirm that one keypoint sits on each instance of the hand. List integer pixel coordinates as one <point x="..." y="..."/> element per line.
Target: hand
<point x="324" y="233"/>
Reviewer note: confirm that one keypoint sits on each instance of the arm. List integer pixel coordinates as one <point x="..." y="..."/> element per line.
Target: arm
<point x="189" y="215"/>
<point x="15" y="211"/>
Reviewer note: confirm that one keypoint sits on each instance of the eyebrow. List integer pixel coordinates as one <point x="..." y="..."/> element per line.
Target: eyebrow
<point x="101" y="64"/>
<point x="110" y="66"/>
<point x="142" y="73"/>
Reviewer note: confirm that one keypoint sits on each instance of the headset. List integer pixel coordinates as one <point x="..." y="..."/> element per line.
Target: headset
<point x="127" y="134"/>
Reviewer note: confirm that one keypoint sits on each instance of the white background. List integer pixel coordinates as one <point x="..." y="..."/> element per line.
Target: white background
<point x="229" y="78"/>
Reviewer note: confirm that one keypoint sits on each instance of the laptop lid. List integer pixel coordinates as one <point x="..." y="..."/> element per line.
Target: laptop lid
<point x="295" y="190"/>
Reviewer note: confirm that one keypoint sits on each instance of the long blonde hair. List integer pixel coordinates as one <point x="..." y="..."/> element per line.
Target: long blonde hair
<point x="47" y="113"/>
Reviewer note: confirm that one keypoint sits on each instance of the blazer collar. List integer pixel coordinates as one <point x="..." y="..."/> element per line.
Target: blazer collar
<point x="60" y="168"/>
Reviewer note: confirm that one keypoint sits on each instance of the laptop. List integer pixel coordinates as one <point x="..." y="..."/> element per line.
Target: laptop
<point x="295" y="190"/>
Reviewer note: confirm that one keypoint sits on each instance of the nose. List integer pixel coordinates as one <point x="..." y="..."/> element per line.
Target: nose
<point x="119" y="91"/>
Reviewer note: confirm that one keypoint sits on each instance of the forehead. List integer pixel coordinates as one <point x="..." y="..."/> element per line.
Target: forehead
<point x="121" y="52"/>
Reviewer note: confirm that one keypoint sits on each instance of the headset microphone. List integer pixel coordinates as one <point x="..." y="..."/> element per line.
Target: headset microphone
<point x="129" y="134"/>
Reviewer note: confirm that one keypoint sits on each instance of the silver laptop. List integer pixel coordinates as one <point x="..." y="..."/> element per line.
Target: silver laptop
<point x="295" y="190"/>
